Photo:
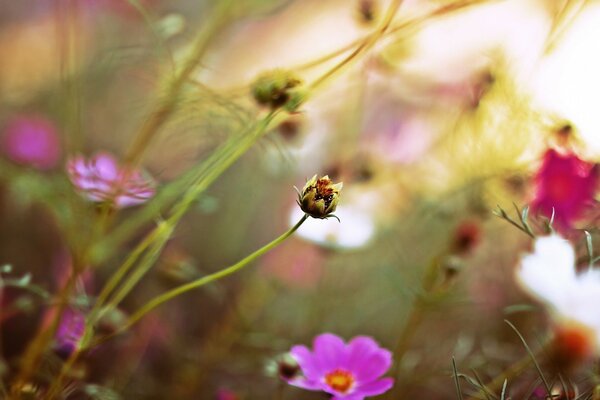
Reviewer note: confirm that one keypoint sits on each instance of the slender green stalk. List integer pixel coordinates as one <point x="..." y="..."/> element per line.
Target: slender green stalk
<point x="499" y="381"/>
<point x="159" y="300"/>
<point x="160" y="235"/>
<point x="516" y="369"/>
<point x="161" y="113"/>
<point x="365" y="45"/>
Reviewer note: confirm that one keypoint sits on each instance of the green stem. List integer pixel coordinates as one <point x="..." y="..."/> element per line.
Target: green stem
<point x="364" y="46"/>
<point x="163" y="298"/>
<point x="496" y="384"/>
<point x="161" y="113"/>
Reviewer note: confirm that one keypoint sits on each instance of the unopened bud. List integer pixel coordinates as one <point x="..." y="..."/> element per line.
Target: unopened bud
<point x="320" y="197"/>
<point x="284" y="366"/>
<point x="278" y="88"/>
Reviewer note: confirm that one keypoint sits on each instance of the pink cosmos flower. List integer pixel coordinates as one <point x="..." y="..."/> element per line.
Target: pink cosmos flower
<point x="102" y="179"/>
<point x="566" y="184"/>
<point x="346" y="371"/>
<point x="31" y="140"/>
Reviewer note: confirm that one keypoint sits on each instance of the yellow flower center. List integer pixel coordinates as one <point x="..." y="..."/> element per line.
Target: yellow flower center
<point x="339" y="380"/>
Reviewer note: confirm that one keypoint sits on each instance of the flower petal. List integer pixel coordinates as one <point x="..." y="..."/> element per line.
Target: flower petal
<point x="549" y="272"/>
<point x="307" y="362"/>
<point x="304" y="383"/>
<point x="359" y="349"/>
<point x="329" y="351"/>
<point x="353" y="396"/>
<point x="373" y="366"/>
<point x="376" y="387"/>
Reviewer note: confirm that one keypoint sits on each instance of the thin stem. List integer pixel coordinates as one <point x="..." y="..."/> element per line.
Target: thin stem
<point x="366" y="44"/>
<point x="498" y="382"/>
<point x="163" y="298"/>
<point x="514" y="370"/>
<point x="161" y="113"/>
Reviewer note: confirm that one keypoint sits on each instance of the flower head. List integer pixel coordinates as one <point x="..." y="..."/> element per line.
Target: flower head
<point x="549" y="274"/>
<point x="32" y="140"/>
<point x="349" y="371"/>
<point x="101" y="179"/>
<point x="320" y="197"/>
<point x="565" y="186"/>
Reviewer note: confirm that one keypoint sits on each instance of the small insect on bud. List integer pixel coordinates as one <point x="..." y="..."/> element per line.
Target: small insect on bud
<point x="278" y="88"/>
<point x="320" y="197"/>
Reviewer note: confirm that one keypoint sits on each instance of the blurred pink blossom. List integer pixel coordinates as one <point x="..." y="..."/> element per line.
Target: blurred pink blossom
<point x="102" y="179"/>
<point x="70" y="331"/>
<point x="31" y="140"/>
<point x="566" y="184"/>
<point x="226" y="394"/>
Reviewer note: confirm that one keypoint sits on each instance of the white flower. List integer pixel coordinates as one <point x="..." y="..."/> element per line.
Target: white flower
<point x="355" y="230"/>
<point x="549" y="274"/>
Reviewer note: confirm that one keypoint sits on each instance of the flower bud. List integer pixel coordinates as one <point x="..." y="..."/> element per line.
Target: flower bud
<point x="277" y="89"/>
<point x="367" y="11"/>
<point x="284" y="366"/>
<point x="320" y="197"/>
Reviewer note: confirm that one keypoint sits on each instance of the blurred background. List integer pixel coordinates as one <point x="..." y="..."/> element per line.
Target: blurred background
<point x="443" y="118"/>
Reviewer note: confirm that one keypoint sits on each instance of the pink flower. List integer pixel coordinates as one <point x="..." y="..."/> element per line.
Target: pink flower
<point x="31" y="140"/>
<point x="347" y="371"/>
<point x="101" y="179"/>
<point x="226" y="394"/>
<point x="566" y="184"/>
<point x="70" y="331"/>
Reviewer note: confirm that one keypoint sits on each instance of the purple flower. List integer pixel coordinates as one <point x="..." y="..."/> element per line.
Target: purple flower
<point x="101" y="179"/>
<point x="31" y="140"/>
<point x="69" y="332"/>
<point x="566" y="184"/>
<point x="347" y="371"/>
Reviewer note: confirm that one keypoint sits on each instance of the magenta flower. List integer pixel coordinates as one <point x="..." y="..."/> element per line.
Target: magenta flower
<point x="31" y="140"/>
<point x="101" y="179"/>
<point x="346" y="371"/>
<point x="566" y="184"/>
<point x="69" y="332"/>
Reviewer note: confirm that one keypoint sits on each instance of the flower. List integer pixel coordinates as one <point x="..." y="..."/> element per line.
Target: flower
<point x="101" y="179"/>
<point x="226" y="394"/>
<point x="347" y="371"/>
<point x="549" y="273"/>
<point x="357" y="231"/>
<point x="565" y="185"/>
<point x="320" y="197"/>
<point x="31" y="140"/>
<point x="69" y="332"/>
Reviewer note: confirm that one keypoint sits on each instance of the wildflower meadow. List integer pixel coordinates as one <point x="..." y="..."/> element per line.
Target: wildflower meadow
<point x="299" y="199"/>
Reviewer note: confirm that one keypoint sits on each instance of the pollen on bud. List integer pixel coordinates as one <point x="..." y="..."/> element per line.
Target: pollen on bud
<point x="320" y="197"/>
<point x="278" y="88"/>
